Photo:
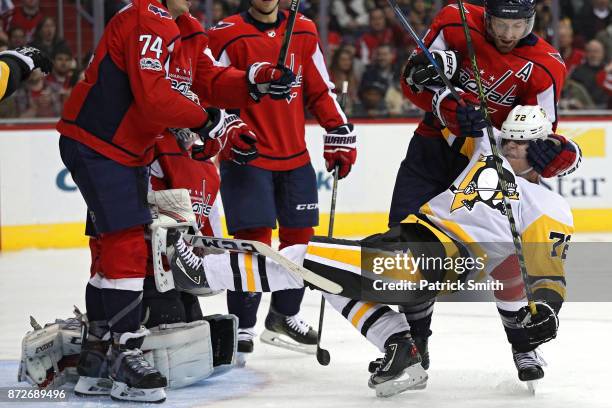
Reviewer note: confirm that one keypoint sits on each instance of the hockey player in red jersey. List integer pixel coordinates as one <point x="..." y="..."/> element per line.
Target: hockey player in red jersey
<point x="516" y="67"/>
<point x="280" y="184"/>
<point x="134" y="88"/>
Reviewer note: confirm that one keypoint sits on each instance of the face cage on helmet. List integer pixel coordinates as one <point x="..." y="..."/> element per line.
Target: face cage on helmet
<point x="530" y="21"/>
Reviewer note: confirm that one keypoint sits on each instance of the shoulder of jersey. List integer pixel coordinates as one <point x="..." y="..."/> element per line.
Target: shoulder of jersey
<point x="189" y="25"/>
<point x="544" y="53"/>
<point x="547" y="202"/>
<point x="303" y="23"/>
<point x="229" y="28"/>
<point x="450" y="15"/>
<point x="154" y="15"/>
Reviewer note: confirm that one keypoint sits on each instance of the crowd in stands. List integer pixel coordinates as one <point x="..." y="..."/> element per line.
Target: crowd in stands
<point x="365" y="47"/>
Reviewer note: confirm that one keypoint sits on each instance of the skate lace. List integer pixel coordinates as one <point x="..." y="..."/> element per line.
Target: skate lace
<point x="529" y="359"/>
<point x="136" y="361"/>
<point x="187" y="255"/>
<point x="298" y="324"/>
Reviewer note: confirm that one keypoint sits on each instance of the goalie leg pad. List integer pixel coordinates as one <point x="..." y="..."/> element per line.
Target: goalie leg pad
<point x="49" y="354"/>
<point x="182" y="352"/>
<point x="224" y="341"/>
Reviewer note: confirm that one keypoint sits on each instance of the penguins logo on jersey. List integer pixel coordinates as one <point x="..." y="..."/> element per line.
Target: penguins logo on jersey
<point x="482" y="185"/>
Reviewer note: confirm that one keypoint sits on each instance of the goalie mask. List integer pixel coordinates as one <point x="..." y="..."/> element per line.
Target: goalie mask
<point x="509" y="21"/>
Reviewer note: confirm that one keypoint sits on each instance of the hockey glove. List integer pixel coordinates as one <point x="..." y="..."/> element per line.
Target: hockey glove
<point x="267" y="79"/>
<point x="30" y="58"/>
<point x="553" y="156"/>
<point x="419" y="72"/>
<point x="242" y="141"/>
<point x="542" y="326"/>
<point x="463" y="121"/>
<point x="340" y="148"/>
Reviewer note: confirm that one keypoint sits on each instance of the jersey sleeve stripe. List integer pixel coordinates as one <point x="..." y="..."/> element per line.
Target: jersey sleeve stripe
<point x="319" y="63"/>
<point x="233" y="40"/>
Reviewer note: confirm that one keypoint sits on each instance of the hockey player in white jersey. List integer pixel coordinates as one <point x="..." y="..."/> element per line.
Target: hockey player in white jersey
<point x="466" y="220"/>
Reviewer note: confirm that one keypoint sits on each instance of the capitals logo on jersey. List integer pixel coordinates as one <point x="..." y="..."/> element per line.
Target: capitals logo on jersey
<point x="159" y="12"/>
<point x="482" y="184"/>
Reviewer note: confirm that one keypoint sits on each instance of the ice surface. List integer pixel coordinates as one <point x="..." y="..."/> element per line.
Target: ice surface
<point x="471" y="362"/>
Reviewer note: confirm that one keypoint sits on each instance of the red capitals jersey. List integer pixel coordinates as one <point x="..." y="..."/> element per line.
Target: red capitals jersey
<point x="129" y="94"/>
<point x="173" y="168"/>
<point x="531" y="74"/>
<point x="240" y="41"/>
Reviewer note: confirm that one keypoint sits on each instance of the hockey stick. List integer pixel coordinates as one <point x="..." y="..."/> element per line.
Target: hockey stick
<point x="255" y="247"/>
<point x="518" y="246"/>
<point x="402" y="19"/>
<point x="293" y="10"/>
<point x="323" y="356"/>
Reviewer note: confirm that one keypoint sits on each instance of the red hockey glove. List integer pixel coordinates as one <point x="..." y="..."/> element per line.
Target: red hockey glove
<point x="419" y="72"/>
<point x="553" y="156"/>
<point x="241" y="139"/>
<point x="463" y="121"/>
<point x="340" y="147"/>
<point x="267" y="79"/>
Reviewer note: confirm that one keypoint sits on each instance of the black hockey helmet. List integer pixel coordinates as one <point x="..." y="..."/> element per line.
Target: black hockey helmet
<point x="511" y="10"/>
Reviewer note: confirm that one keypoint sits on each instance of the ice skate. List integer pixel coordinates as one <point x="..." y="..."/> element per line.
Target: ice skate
<point x="134" y="379"/>
<point x="245" y="345"/>
<point x="400" y="369"/>
<point x="93" y="369"/>
<point x="420" y="342"/>
<point x="529" y="366"/>
<point x="289" y="332"/>
<point x="187" y="267"/>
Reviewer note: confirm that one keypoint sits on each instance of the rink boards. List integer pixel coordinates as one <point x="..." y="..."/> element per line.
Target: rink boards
<point x="41" y="207"/>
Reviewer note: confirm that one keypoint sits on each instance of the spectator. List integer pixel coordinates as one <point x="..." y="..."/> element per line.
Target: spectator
<point x="36" y="99"/>
<point x="605" y="37"/>
<point x="220" y="10"/>
<point x="342" y="69"/>
<point x="16" y="38"/>
<point x="378" y="33"/>
<point x="27" y="16"/>
<point x="383" y="64"/>
<point x="46" y="37"/>
<point x="571" y="55"/>
<point x="3" y="45"/>
<point x="604" y="80"/>
<point x="59" y="80"/>
<point x="350" y="15"/>
<point x="586" y="72"/>
<point x="372" y="93"/>
<point x="543" y="21"/>
<point x="574" y="96"/>
<point x="195" y="9"/>
<point x="594" y="17"/>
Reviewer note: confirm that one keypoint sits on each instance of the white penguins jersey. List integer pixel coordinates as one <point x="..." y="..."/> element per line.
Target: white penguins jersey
<point x="471" y="211"/>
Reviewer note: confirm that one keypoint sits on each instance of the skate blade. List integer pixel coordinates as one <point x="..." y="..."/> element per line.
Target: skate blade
<point x="531" y="386"/>
<point x="92" y="386"/>
<point x="121" y="392"/>
<point x="412" y="379"/>
<point x="283" y="341"/>
<point x="241" y="359"/>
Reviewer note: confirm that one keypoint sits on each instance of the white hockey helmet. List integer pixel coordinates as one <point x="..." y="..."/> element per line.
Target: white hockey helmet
<point x="527" y="122"/>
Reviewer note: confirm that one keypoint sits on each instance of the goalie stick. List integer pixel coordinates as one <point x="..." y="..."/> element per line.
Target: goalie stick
<point x="255" y="247"/>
